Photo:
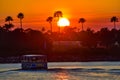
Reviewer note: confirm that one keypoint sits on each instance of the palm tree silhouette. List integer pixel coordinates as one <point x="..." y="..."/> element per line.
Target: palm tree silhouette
<point x="58" y="14"/>
<point x="8" y="19"/>
<point x="82" y="20"/>
<point x="20" y="16"/>
<point x="49" y="19"/>
<point x="114" y="19"/>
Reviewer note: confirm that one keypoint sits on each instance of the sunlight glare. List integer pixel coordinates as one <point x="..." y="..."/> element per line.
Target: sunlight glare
<point x="63" y="22"/>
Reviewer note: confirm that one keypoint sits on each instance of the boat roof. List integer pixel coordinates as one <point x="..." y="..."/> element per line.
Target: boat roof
<point x="33" y="55"/>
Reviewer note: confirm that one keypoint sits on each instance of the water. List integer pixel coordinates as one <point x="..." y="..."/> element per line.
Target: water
<point x="64" y="71"/>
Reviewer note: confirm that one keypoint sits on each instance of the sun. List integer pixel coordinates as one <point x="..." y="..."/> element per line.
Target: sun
<point x="63" y="22"/>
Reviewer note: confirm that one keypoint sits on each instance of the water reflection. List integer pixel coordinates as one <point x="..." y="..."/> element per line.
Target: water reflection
<point x="64" y="71"/>
<point x="62" y="76"/>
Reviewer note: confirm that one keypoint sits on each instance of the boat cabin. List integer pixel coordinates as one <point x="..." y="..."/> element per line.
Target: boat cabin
<point x="34" y="62"/>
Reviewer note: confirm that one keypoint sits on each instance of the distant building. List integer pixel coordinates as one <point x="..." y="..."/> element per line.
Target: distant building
<point x="66" y="45"/>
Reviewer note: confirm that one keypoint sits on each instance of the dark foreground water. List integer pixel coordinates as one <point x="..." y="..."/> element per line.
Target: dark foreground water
<point x="64" y="71"/>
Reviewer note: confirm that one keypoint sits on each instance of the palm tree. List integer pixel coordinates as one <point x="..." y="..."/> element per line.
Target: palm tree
<point x="49" y="19"/>
<point x="58" y="14"/>
<point x="20" y="16"/>
<point x="8" y="19"/>
<point x="114" y="19"/>
<point x="82" y="20"/>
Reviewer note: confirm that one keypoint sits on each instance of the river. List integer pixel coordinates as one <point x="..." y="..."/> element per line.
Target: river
<point x="64" y="71"/>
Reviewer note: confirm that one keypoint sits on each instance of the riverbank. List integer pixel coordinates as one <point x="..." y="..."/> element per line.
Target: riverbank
<point x="73" y="55"/>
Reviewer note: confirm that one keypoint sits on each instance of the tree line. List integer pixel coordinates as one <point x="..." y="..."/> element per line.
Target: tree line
<point x="17" y="42"/>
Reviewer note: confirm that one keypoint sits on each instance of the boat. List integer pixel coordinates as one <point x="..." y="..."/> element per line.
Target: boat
<point x="34" y="62"/>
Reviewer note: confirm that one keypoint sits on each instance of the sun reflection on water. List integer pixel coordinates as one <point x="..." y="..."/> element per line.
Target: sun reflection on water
<point x="62" y="76"/>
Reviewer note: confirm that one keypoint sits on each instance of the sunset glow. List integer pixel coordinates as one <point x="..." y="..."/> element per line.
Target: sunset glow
<point x="63" y="22"/>
<point x="59" y="39"/>
<point x="97" y="13"/>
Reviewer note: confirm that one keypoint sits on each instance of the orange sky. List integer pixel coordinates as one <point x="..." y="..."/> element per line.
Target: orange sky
<point x="96" y="12"/>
